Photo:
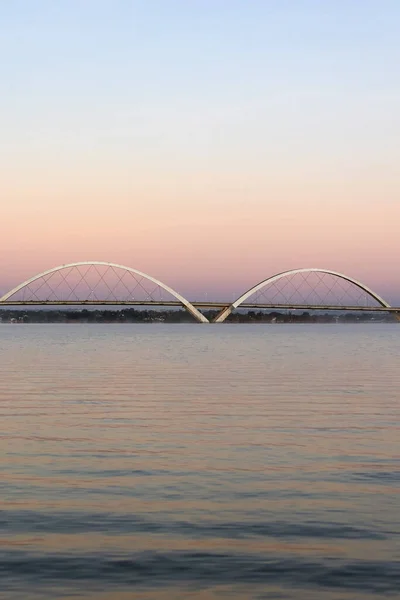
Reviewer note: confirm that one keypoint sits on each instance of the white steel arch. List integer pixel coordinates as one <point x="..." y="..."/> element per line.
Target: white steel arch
<point x="227" y="311"/>
<point x="185" y="303"/>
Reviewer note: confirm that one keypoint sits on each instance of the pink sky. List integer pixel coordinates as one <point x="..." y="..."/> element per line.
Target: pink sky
<point x="217" y="237"/>
<point x="216" y="146"/>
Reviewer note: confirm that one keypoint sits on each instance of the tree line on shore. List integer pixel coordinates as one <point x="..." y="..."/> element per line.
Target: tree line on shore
<point x="131" y="315"/>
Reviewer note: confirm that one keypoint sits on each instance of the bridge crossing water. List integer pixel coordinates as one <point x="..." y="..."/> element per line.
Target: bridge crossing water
<point x="98" y="283"/>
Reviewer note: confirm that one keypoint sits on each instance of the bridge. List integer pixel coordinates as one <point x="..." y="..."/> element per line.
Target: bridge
<point x="98" y="283"/>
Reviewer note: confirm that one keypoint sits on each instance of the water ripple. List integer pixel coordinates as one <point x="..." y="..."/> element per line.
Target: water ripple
<point x="152" y="569"/>
<point x="14" y="522"/>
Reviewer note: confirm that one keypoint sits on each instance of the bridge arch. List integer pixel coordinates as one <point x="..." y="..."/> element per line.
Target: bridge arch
<point x="270" y="280"/>
<point x="185" y="303"/>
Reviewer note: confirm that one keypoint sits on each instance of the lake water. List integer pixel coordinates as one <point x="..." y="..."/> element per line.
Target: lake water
<point x="200" y="462"/>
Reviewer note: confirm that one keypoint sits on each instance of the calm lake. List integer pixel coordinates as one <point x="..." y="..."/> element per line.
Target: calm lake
<point x="200" y="462"/>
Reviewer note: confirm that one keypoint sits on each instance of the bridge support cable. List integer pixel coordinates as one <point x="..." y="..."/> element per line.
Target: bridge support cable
<point x="291" y="292"/>
<point x="91" y="282"/>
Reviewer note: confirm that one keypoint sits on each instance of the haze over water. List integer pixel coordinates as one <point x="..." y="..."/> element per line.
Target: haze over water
<point x="199" y="462"/>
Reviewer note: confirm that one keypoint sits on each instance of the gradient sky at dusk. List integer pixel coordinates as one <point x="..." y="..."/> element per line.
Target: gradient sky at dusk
<point x="210" y="143"/>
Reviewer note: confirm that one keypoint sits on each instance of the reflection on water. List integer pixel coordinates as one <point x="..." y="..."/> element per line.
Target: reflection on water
<point x="200" y="462"/>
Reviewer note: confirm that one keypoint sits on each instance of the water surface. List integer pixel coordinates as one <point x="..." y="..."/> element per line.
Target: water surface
<point x="200" y="462"/>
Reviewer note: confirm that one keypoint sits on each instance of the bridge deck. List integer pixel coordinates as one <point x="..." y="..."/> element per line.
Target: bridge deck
<point x="197" y="304"/>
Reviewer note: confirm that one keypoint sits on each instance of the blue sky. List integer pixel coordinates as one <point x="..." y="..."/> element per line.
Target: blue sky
<point x="101" y="65"/>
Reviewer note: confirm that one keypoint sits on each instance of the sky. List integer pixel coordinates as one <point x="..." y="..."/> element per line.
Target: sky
<point x="209" y="143"/>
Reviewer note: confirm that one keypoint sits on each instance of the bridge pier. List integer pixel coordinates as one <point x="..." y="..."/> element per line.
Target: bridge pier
<point x="223" y="314"/>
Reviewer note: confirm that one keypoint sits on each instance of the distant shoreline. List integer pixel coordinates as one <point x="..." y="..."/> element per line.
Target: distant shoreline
<point x="133" y="316"/>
